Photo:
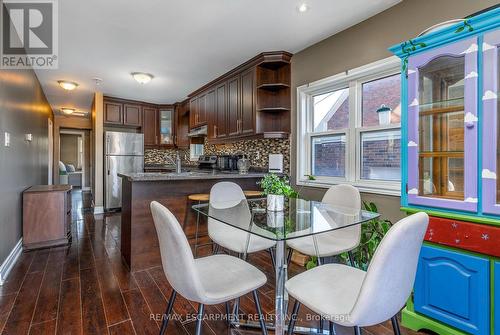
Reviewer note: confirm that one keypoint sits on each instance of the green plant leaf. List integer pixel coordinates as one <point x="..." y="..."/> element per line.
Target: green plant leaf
<point x="459" y="29"/>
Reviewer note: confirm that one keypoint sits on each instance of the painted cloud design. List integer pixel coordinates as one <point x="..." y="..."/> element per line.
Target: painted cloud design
<point x="413" y="191"/>
<point x="489" y="95"/>
<point x="469" y="117"/>
<point x="470" y="199"/>
<point x="414" y="102"/>
<point x="471" y="75"/>
<point x="487" y="174"/>
<point x="410" y="71"/>
<point x="412" y="144"/>
<point x="472" y="48"/>
<point x="487" y="46"/>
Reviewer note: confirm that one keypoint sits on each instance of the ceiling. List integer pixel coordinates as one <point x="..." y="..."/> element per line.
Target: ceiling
<point x="184" y="44"/>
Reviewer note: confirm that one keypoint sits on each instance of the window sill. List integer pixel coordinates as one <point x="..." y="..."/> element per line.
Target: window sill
<point x="382" y="188"/>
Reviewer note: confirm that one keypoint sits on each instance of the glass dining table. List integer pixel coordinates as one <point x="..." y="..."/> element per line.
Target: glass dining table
<point x="299" y="219"/>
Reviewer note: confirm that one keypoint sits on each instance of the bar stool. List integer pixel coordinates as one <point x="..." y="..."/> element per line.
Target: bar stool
<point x="199" y="198"/>
<point x="251" y="194"/>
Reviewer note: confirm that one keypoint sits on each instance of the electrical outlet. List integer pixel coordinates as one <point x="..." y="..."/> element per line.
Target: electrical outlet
<point x="7" y="139"/>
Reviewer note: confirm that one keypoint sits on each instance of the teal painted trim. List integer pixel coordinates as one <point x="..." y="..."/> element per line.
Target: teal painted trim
<point x="453" y="215"/>
<point x="404" y="139"/>
<point x="479" y="23"/>
<point x="480" y="124"/>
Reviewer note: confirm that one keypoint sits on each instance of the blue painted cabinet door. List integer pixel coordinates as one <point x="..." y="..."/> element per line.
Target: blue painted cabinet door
<point x="497" y="299"/>
<point x="454" y="288"/>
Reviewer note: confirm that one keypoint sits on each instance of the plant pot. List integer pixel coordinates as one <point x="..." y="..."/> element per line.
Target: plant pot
<point x="276" y="219"/>
<point x="275" y="203"/>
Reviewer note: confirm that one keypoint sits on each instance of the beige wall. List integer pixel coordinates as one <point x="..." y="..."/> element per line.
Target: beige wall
<point x="69" y="149"/>
<point x="365" y="43"/>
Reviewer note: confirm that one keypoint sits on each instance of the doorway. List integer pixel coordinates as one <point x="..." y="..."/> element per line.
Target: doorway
<point x="74" y="158"/>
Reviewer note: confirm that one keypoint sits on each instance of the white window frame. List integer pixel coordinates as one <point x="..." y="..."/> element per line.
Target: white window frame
<point x="354" y="79"/>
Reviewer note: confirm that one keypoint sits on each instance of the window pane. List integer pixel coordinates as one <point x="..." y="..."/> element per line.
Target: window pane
<point x="382" y="101"/>
<point x="328" y="156"/>
<point x="331" y="110"/>
<point x="380" y="155"/>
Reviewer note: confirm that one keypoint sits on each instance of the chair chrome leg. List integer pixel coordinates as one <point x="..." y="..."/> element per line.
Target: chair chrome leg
<point x="320" y="326"/>
<point x="395" y="325"/>
<point x="229" y="315"/>
<point x="273" y="260"/>
<point x="351" y="258"/>
<point x="357" y="330"/>
<point x="259" y="312"/>
<point x="166" y="316"/>
<point x="289" y="256"/>
<point x="199" y="319"/>
<point x="293" y="317"/>
<point x="196" y="233"/>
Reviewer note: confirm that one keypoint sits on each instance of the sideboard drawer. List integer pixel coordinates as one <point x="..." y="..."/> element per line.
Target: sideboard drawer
<point x="480" y="238"/>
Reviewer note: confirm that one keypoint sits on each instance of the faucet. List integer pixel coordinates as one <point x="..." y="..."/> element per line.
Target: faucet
<point x="176" y="162"/>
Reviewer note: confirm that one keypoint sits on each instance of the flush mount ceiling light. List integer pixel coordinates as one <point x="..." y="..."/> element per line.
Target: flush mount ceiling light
<point x="67" y="85"/>
<point x="141" y="77"/>
<point x="68" y="111"/>
<point x="303" y="8"/>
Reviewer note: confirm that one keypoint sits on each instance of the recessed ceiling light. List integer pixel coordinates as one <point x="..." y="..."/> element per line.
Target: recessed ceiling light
<point x="67" y="111"/>
<point x="67" y="85"/>
<point x="97" y="81"/>
<point x="303" y="8"/>
<point x="141" y="77"/>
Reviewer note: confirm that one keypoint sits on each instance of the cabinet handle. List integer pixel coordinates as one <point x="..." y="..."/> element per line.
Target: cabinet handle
<point x="215" y="131"/>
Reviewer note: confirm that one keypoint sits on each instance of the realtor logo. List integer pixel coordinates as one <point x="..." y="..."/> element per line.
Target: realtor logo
<point x="29" y="34"/>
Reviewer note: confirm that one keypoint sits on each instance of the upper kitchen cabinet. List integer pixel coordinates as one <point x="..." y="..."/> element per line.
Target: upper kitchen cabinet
<point x="182" y="124"/>
<point x="166" y="122"/>
<point x="150" y="125"/>
<point x="442" y="127"/>
<point x="122" y="113"/>
<point x="252" y="100"/>
<point x="491" y="122"/>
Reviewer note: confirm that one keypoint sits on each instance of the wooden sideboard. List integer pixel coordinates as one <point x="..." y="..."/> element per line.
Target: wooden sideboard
<point x="46" y="216"/>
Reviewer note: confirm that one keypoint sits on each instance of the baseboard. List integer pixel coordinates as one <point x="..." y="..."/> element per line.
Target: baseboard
<point x="10" y="261"/>
<point x="99" y="210"/>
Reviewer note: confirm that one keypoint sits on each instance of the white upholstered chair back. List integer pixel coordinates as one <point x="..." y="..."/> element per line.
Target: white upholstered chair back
<point x="391" y="273"/>
<point x="343" y="195"/>
<point x="226" y="195"/>
<point x="176" y="255"/>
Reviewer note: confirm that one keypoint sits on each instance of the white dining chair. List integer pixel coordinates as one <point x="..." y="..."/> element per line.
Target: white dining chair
<point x="207" y="281"/>
<point x="227" y="195"/>
<point x="335" y="242"/>
<point x="351" y="297"/>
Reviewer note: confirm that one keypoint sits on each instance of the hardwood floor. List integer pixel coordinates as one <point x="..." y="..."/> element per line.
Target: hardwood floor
<point x="85" y="289"/>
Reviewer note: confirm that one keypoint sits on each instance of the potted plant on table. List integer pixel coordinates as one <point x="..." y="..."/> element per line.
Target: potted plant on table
<point x="276" y="189"/>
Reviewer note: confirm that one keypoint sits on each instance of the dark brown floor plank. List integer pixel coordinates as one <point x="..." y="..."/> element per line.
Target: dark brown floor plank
<point x="48" y="300"/>
<point x="142" y="318"/>
<point x="44" y="328"/>
<point x="93" y="317"/>
<point x="122" y="328"/>
<point x="114" y="306"/>
<point x="69" y="318"/>
<point x="40" y="261"/>
<point x="17" y="274"/>
<point x="150" y="291"/>
<point x="85" y="255"/>
<point x="20" y="317"/>
<point x="71" y="267"/>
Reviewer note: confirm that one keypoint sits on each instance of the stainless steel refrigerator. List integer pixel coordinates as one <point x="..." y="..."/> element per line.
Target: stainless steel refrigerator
<point x="123" y="153"/>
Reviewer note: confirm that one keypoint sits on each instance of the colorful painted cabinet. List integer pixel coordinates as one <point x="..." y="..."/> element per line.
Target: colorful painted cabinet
<point x="451" y="128"/>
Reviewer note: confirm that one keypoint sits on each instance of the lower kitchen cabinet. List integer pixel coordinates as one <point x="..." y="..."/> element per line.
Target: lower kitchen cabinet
<point x="453" y="287"/>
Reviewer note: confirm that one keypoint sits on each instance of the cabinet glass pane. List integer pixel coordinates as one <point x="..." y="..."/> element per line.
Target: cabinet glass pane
<point x="166" y="121"/>
<point x="328" y="155"/>
<point x="498" y="123"/>
<point x="441" y="128"/>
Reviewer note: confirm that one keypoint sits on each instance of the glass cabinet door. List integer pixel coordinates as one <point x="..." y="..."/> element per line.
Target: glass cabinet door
<point x="491" y="123"/>
<point x="442" y="127"/>
<point x="166" y="127"/>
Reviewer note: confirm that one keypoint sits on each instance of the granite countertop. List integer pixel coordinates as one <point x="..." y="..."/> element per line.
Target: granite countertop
<point x="188" y="175"/>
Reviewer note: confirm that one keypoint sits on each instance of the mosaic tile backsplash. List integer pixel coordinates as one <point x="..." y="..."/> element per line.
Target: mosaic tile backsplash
<point x="257" y="151"/>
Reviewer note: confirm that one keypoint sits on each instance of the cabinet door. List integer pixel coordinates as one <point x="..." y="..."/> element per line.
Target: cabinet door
<point x="182" y="127"/>
<point x="220" y="111"/>
<point x="132" y="115"/>
<point x="454" y="288"/>
<point x="491" y="123"/>
<point x="442" y="127"/>
<point x="113" y="113"/>
<point x="166" y="127"/>
<point x="247" y="123"/>
<point x="210" y="117"/>
<point x="202" y="110"/>
<point x="233" y="106"/>
<point x="150" y="125"/>
<point x="193" y="113"/>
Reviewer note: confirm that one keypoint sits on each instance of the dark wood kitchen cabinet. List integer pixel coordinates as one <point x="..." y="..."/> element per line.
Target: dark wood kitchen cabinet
<point x="182" y="124"/>
<point x="150" y="126"/>
<point x="46" y="216"/>
<point x="120" y="113"/>
<point x="252" y="100"/>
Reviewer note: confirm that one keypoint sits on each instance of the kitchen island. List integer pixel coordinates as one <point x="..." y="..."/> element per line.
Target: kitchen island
<point x="139" y="242"/>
